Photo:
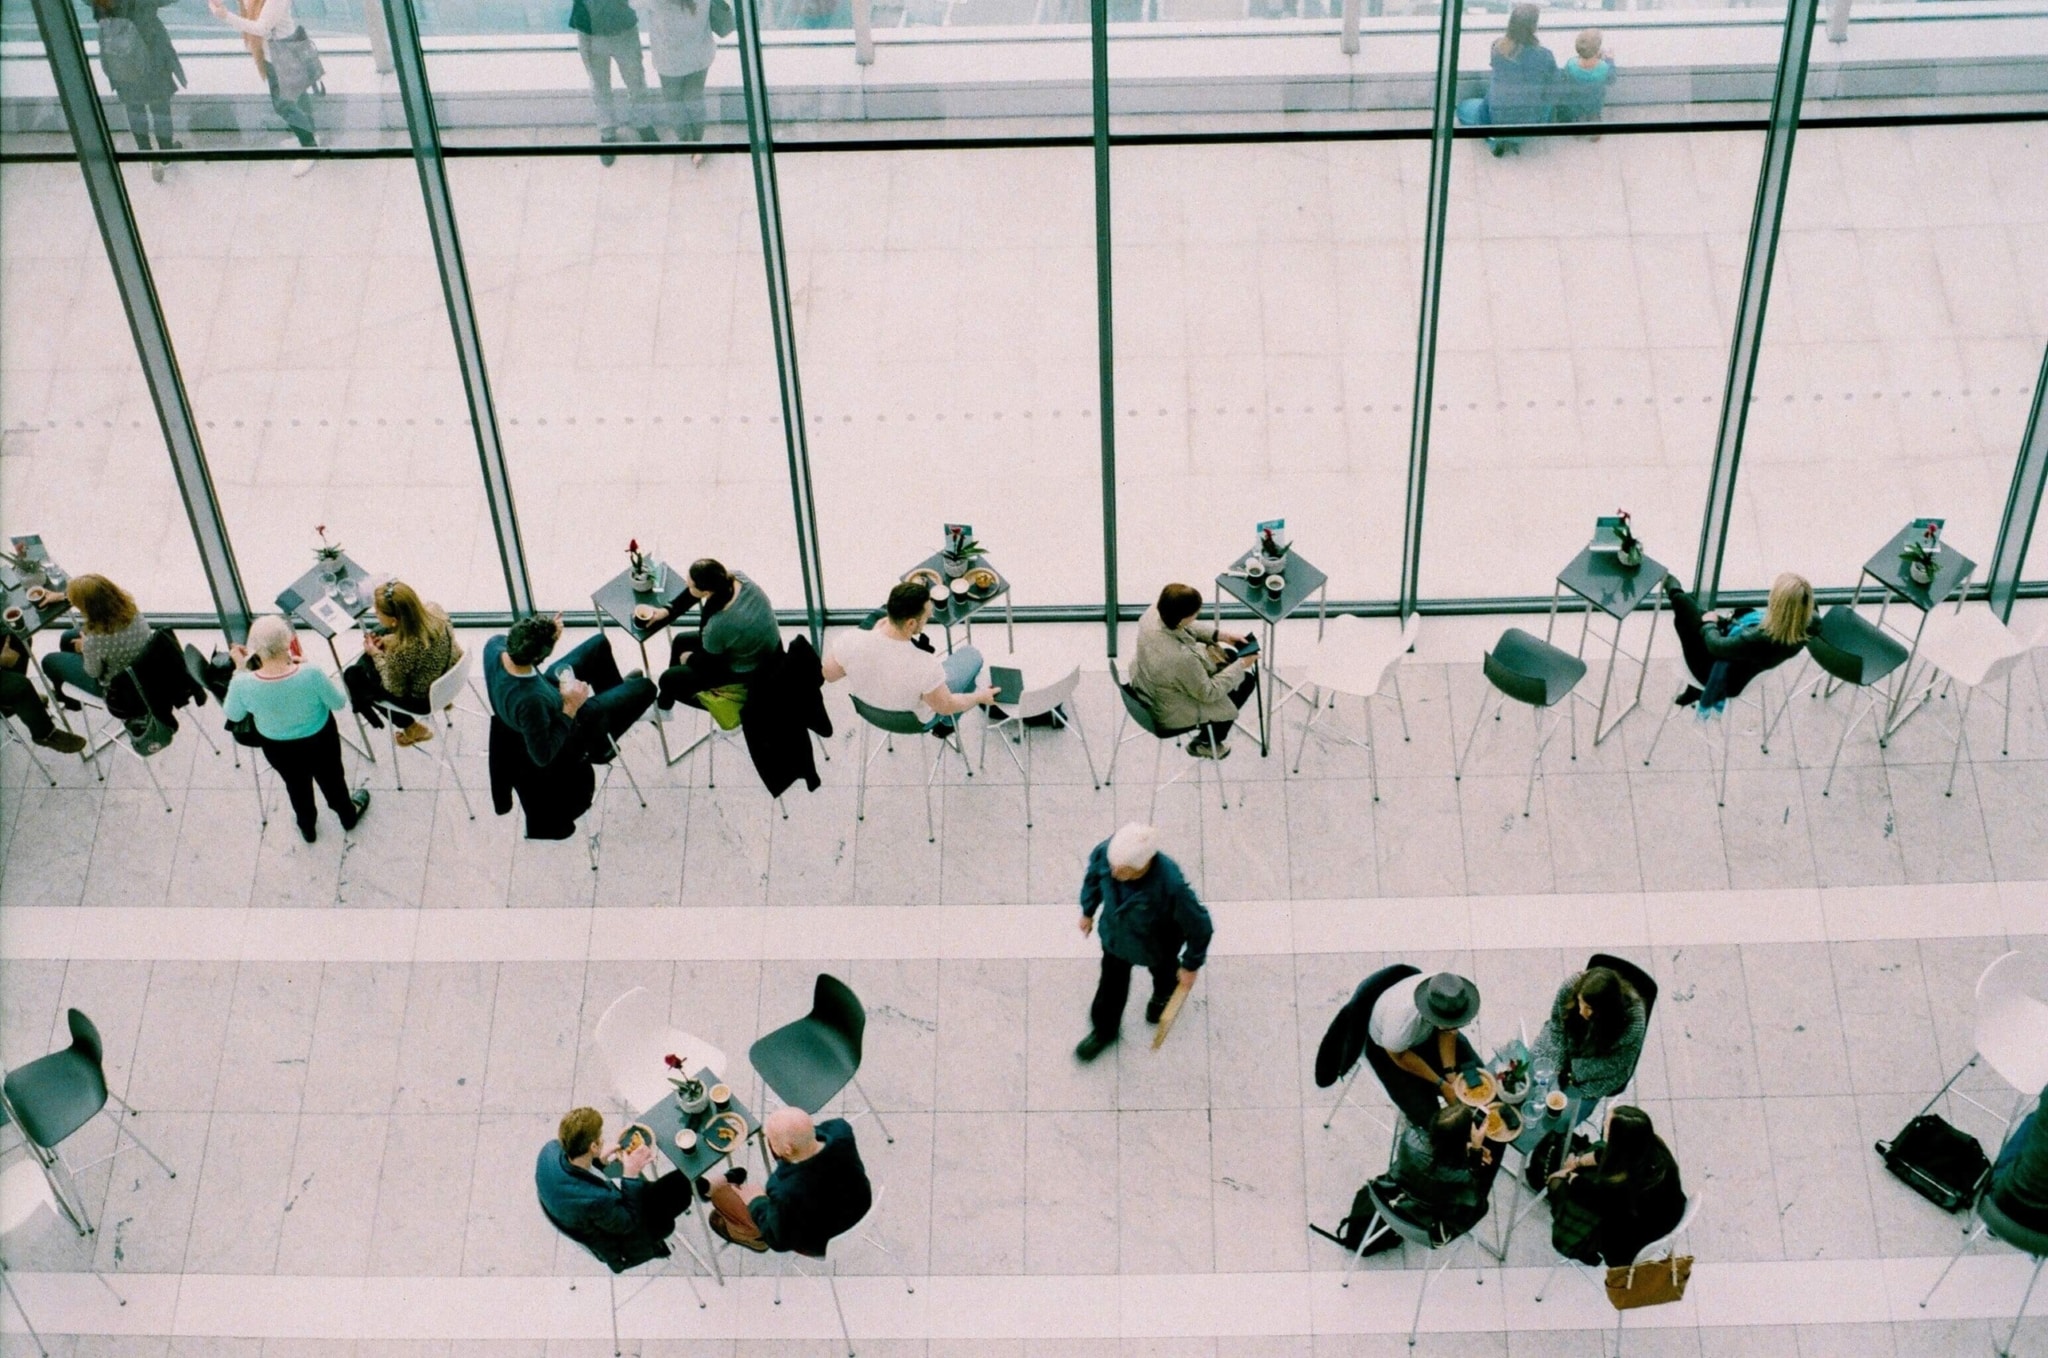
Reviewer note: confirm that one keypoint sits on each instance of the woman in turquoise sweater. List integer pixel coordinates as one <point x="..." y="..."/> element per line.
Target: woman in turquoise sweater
<point x="293" y="705"/>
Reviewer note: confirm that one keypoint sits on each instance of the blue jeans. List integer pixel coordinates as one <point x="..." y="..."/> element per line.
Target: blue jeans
<point x="963" y="675"/>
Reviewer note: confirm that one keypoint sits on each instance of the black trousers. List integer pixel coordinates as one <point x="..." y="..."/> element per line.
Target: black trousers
<point x="1219" y="731"/>
<point x="19" y="699"/>
<point x="615" y="702"/>
<point x="1113" y="991"/>
<point x="1691" y="626"/>
<point x="313" y="760"/>
<point x="691" y="670"/>
<point x="658" y="1204"/>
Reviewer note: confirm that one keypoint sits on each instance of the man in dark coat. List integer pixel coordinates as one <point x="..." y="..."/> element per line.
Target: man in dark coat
<point x="624" y="1221"/>
<point x="1150" y="919"/>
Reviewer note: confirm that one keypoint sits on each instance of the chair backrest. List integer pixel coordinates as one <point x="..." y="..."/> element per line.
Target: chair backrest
<point x="2016" y="1234"/>
<point x="838" y="1010"/>
<point x="895" y="723"/>
<point x="1846" y="666"/>
<point x="442" y="693"/>
<point x="614" y="1263"/>
<point x="85" y="1038"/>
<point x="1415" y="1233"/>
<point x="1523" y="688"/>
<point x="1645" y="984"/>
<point x="1036" y="702"/>
<point x="1366" y="996"/>
<point x="2012" y="1019"/>
<point x="1661" y="1246"/>
<point x="1133" y="704"/>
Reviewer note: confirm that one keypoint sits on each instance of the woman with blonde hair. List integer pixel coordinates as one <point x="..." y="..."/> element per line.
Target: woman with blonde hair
<point x="400" y="664"/>
<point x="1725" y="653"/>
<point x="111" y="636"/>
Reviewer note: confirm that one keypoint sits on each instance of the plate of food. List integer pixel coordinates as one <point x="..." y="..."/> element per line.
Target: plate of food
<point x="725" y="1131"/>
<point x="633" y="1136"/>
<point x="926" y="576"/>
<point x="982" y="580"/>
<point x="1503" y="1123"/>
<point x="1477" y="1089"/>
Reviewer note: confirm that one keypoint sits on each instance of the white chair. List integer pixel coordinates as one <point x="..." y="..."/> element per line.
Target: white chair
<point x="438" y="718"/>
<point x="1976" y="651"/>
<point x="1139" y="714"/>
<point x="2012" y="1031"/>
<point x="1390" y="1219"/>
<point x="1355" y="659"/>
<point x="894" y="724"/>
<point x="24" y="1194"/>
<point x="1659" y="1252"/>
<point x="634" y="1037"/>
<point x="1054" y="700"/>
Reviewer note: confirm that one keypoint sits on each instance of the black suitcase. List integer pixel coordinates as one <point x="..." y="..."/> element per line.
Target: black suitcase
<point x="1941" y="1163"/>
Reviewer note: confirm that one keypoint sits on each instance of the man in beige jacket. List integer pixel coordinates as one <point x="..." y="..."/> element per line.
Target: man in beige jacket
<point x="1184" y="676"/>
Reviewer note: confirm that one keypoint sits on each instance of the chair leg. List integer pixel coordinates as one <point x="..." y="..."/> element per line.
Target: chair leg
<point x="1458" y="763"/>
<point x="1548" y="1278"/>
<point x="1844" y="740"/>
<point x="1372" y="748"/>
<point x="391" y="735"/>
<point x="832" y="1282"/>
<point x="1727" y="745"/>
<point x="1658" y="738"/>
<point x="447" y="758"/>
<point x="161" y="795"/>
<point x="1086" y="753"/>
<point x="1962" y="739"/>
<point x="22" y="1311"/>
<point x="121" y="1125"/>
<point x="860" y="798"/>
<point x="1025" y="733"/>
<point x="1115" y="750"/>
<point x="1158" y="753"/>
<point x="1401" y="705"/>
<point x="2005" y="1349"/>
<point x="871" y="1110"/>
<point x="262" y="807"/>
<point x="101" y="1278"/>
<point x="1961" y="1250"/>
<point x="611" y="1283"/>
<point x="1358" y="1255"/>
<point x="1430" y="1276"/>
<point x="1343" y="1093"/>
<point x="1315" y="709"/>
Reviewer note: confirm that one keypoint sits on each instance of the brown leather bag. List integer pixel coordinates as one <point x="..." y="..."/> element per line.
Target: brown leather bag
<point x="1656" y="1283"/>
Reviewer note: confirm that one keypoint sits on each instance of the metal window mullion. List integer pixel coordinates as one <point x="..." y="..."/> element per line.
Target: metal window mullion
<point x="1773" y="184"/>
<point x="775" y="265"/>
<point x="2022" y="505"/>
<point x="418" y="98"/>
<point x="1440" y="147"/>
<point x="104" y="185"/>
<point x="1105" y="317"/>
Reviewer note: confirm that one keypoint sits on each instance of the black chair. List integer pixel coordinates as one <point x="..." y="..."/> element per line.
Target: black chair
<point x="1535" y="673"/>
<point x="809" y="1061"/>
<point x="1138" y="713"/>
<point x="1851" y="649"/>
<point x="893" y="724"/>
<point x="1412" y="1232"/>
<point x="53" y="1096"/>
<point x="615" y="1264"/>
<point x="150" y="690"/>
<point x="1355" y="1015"/>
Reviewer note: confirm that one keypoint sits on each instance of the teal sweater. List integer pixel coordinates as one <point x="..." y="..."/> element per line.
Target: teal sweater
<point x="290" y="707"/>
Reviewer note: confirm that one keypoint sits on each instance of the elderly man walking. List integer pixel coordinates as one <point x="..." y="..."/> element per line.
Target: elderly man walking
<point x="1150" y="919"/>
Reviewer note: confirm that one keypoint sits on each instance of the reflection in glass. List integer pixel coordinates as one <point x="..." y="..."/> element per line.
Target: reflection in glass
<point x="82" y="458"/>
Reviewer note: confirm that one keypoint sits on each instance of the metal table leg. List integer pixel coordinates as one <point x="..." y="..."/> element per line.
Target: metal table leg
<point x="364" y="749"/>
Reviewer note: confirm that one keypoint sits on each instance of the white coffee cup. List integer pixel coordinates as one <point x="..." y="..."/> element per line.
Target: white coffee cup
<point x="686" y="1140"/>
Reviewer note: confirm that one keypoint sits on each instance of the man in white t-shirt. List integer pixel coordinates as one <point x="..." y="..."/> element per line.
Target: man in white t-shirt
<point x="883" y="669"/>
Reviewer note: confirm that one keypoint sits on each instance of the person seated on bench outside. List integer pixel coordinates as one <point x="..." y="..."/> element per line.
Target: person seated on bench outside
<point x="1184" y="675"/>
<point x="1416" y="1023"/>
<point x="818" y="1190"/>
<point x="736" y="635"/>
<point x="625" y="1221"/>
<point x="883" y="667"/>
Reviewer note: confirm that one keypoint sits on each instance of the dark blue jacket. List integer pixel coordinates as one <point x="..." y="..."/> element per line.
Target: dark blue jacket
<point x="595" y="1211"/>
<point x="1524" y="86"/>
<point x="1152" y="922"/>
<point x="808" y="1202"/>
<point x="2019" y="1181"/>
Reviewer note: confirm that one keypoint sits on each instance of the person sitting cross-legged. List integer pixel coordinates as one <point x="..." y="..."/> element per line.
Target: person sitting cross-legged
<point x="818" y="1190"/>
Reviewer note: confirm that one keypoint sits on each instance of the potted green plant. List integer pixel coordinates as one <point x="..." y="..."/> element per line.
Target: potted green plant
<point x="1514" y="1082"/>
<point x="959" y="555"/>
<point x="691" y="1095"/>
<point x="637" y="573"/>
<point x="1919" y="557"/>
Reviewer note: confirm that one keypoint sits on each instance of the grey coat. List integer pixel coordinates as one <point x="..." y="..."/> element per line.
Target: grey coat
<point x="1173" y="673"/>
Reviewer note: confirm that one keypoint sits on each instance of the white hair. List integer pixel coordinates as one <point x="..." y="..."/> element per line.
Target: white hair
<point x="270" y="637"/>
<point x="1133" y="847"/>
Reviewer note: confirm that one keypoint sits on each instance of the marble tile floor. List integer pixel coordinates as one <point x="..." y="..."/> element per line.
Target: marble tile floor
<point x="351" y="1050"/>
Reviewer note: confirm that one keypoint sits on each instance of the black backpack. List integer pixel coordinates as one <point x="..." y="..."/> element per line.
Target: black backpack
<point x="1938" y="1161"/>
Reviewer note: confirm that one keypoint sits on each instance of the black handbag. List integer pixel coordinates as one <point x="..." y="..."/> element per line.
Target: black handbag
<point x="1940" y="1162"/>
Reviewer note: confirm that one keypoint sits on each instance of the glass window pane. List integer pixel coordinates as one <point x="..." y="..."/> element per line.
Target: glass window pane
<point x="308" y="319"/>
<point x="84" y="461"/>
<point x="1265" y="356"/>
<point x="1900" y="352"/>
<point x="1589" y="296"/>
<point x="624" y="322"/>
<point x="945" y="313"/>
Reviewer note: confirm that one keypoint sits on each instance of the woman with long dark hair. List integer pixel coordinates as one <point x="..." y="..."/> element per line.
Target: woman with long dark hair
<point x="1609" y="1201"/>
<point x="143" y="67"/>
<point x="1523" y="88"/>
<point x="1594" y="1035"/>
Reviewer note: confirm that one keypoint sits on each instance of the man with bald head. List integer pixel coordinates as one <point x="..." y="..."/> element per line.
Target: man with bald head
<point x="819" y="1188"/>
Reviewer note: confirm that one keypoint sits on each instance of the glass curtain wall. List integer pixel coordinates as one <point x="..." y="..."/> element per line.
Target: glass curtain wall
<point x="1268" y="189"/>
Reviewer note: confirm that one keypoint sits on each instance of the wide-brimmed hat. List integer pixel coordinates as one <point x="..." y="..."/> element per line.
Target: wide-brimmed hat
<point x="1448" y="1000"/>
